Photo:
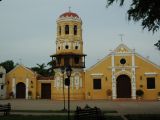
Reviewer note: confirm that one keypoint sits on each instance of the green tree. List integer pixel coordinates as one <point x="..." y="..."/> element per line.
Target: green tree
<point x="43" y="70"/>
<point x="40" y="69"/>
<point x="157" y="44"/>
<point x="8" y="65"/>
<point x="145" y="11"/>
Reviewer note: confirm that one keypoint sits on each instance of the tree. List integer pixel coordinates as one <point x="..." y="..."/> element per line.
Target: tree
<point x="145" y="11"/>
<point x="8" y="65"/>
<point x="42" y="70"/>
<point x="157" y="44"/>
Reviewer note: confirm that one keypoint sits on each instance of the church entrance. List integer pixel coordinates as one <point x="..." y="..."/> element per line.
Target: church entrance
<point x="46" y="91"/>
<point x="20" y="90"/>
<point x="123" y="86"/>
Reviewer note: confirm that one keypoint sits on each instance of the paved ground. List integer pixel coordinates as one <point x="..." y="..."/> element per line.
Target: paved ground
<point x="123" y="107"/>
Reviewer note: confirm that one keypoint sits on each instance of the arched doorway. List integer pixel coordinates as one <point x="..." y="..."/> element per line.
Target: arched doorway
<point x="123" y="87"/>
<point x="20" y="90"/>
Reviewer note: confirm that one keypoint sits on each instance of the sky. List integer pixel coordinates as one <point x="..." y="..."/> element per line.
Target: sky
<point x="28" y="30"/>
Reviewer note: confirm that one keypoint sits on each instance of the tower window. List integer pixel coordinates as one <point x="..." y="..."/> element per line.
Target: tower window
<point x="151" y="83"/>
<point x="76" y="60"/>
<point x="59" y="30"/>
<point x="75" y="29"/>
<point x="59" y="60"/>
<point x="2" y="87"/>
<point x="1" y="75"/>
<point x="59" y="48"/>
<point x="76" y="47"/>
<point x="67" y="29"/>
<point x="66" y="46"/>
<point x="96" y="83"/>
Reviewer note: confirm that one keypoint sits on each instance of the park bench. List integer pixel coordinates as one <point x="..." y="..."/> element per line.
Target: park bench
<point x="6" y="108"/>
<point x="88" y="113"/>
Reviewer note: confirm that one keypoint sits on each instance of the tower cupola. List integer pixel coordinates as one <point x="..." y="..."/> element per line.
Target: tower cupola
<point x="69" y="42"/>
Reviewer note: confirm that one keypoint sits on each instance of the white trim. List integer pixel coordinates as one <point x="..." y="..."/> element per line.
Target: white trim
<point x="14" y="87"/>
<point x="27" y="86"/>
<point x="150" y="74"/>
<point x="97" y="75"/>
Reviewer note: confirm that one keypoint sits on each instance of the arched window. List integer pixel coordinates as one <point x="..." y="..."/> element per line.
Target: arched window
<point x="67" y="29"/>
<point x="75" y="29"/>
<point x="59" y="30"/>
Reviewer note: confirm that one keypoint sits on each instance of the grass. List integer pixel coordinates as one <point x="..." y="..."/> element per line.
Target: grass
<point x="55" y="111"/>
<point x="47" y="117"/>
<point x="143" y="117"/>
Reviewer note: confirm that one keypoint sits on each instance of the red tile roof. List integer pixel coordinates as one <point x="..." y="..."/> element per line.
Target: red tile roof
<point x="69" y="14"/>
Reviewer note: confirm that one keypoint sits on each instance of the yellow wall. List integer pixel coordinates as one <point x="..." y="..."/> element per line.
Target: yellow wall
<point x="104" y="68"/>
<point x="20" y="73"/>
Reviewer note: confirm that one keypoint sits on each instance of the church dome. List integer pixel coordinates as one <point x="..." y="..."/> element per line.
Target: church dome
<point x="69" y="14"/>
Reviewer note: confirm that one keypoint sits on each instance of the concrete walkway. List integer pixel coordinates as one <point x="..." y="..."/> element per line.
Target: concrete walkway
<point x="122" y="107"/>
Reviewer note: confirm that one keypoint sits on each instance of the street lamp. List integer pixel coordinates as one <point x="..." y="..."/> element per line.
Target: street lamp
<point x="62" y="71"/>
<point x="67" y="82"/>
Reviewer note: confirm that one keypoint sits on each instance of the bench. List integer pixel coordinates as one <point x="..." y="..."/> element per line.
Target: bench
<point x="88" y="113"/>
<point x="6" y="108"/>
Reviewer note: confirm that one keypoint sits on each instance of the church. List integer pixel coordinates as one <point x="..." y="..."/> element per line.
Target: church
<point x="119" y="75"/>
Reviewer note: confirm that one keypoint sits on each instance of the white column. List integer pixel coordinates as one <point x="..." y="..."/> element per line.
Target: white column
<point x="14" y="87"/>
<point x="114" y="92"/>
<point x="133" y="82"/>
<point x="27" y="85"/>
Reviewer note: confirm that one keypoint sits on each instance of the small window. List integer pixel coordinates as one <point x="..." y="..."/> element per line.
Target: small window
<point x="67" y="29"/>
<point x="59" y="30"/>
<point x="122" y="61"/>
<point x="96" y="84"/>
<point x="59" y="48"/>
<point x="59" y="60"/>
<point x="75" y="29"/>
<point x="2" y="87"/>
<point x="76" y="60"/>
<point x="1" y="75"/>
<point x="76" y="47"/>
<point x="151" y="83"/>
<point x="66" y="46"/>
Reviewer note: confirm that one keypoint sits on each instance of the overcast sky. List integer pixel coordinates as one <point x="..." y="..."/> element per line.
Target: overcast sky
<point x="28" y="30"/>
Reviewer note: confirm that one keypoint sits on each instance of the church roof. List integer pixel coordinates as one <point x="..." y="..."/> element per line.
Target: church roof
<point x="69" y="14"/>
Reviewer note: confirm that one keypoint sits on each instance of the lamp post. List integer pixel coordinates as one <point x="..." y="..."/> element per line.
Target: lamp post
<point x="62" y="71"/>
<point x="67" y="82"/>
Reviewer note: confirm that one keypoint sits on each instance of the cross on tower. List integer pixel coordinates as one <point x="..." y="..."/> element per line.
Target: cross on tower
<point x="69" y="8"/>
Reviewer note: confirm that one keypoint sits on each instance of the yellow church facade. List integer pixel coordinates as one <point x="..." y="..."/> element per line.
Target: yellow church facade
<point x="117" y="76"/>
<point x="123" y="72"/>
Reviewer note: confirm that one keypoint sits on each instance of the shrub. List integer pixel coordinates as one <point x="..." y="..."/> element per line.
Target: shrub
<point x="139" y="93"/>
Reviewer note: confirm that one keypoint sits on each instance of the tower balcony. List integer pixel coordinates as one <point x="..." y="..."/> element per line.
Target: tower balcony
<point x="72" y="59"/>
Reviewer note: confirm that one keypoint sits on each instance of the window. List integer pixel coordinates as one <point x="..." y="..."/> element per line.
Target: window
<point x="59" y="30"/>
<point x="66" y="46"/>
<point x="151" y="83"/>
<point x="2" y="86"/>
<point x="1" y="75"/>
<point x="76" y="60"/>
<point x="59" y="60"/>
<point x="76" y="47"/>
<point x="96" y="83"/>
<point x="59" y="48"/>
<point x="67" y="29"/>
<point x="75" y="29"/>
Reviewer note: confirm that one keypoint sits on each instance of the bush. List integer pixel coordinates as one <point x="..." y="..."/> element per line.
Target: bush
<point x="139" y="93"/>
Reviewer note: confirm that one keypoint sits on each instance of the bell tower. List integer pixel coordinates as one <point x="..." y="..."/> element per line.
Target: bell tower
<point x="69" y="51"/>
